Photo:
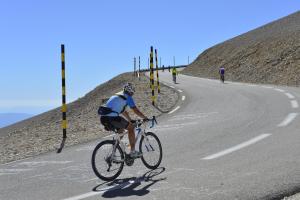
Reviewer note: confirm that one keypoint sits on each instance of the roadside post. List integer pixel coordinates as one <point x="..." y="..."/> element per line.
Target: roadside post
<point x="152" y="75"/>
<point x="64" y="106"/>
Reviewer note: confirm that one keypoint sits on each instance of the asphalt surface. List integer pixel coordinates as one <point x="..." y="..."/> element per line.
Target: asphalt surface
<point x="221" y="141"/>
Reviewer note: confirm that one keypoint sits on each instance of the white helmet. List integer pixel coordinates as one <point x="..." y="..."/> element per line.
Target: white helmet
<point x="129" y="88"/>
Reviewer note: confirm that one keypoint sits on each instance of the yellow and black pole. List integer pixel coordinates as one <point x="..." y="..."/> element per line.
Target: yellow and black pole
<point x="158" y="86"/>
<point x="152" y="76"/>
<point x="64" y="106"/>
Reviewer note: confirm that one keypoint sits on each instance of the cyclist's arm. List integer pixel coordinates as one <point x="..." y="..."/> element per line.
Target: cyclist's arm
<point x="126" y="115"/>
<point x="139" y="113"/>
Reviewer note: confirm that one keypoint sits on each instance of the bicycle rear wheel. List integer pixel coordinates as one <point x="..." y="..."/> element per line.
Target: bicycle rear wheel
<point x="151" y="148"/>
<point x="106" y="164"/>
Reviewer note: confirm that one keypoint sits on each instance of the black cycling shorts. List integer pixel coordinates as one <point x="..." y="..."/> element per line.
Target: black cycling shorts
<point x="114" y="122"/>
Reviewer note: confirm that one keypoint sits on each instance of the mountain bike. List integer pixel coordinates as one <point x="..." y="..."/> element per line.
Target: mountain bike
<point x="109" y="156"/>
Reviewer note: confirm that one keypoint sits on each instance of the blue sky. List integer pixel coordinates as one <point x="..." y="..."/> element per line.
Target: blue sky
<point x="102" y="37"/>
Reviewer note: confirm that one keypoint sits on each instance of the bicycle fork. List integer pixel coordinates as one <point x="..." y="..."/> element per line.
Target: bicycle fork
<point x="147" y="143"/>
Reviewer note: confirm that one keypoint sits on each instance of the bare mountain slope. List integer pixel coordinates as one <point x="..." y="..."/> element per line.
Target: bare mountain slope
<point x="43" y="133"/>
<point x="269" y="54"/>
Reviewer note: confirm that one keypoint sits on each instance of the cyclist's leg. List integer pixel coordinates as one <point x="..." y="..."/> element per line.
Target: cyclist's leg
<point x="120" y="123"/>
<point x="131" y="136"/>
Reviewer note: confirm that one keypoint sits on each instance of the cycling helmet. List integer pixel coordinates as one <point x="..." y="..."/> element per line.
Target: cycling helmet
<point x="129" y="88"/>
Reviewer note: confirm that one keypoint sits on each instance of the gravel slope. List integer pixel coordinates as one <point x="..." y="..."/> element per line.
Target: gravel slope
<point x="269" y="54"/>
<point x="43" y="133"/>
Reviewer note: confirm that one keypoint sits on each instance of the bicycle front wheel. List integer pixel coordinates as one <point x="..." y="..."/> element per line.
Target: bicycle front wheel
<point x="151" y="148"/>
<point x="107" y="163"/>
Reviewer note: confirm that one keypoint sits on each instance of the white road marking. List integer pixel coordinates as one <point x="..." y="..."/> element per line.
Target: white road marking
<point x="288" y="119"/>
<point x="15" y="161"/>
<point x="294" y="104"/>
<point x="83" y="196"/>
<point x="111" y="188"/>
<point x="237" y="147"/>
<point x="290" y="96"/>
<point x="179" y="90"/>
<point x="279" y="90"/>
<point x="174" y="126"/>
<point x="12" y="171"/>
<point x="191" y="116"/>
<point x="174" y="110"/>
<point x="267" y="87"/>
<point x="171" y="86"/>
<point x="43" y="163"/>
<point x="183" y="98"/>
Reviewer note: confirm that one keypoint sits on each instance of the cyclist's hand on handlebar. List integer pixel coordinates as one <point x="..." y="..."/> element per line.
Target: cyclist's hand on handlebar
<point x="146" y="119"/>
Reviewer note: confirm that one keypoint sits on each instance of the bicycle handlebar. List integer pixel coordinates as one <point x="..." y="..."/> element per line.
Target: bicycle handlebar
<point x="153" y="120"/>
<point x="138" y="123"/>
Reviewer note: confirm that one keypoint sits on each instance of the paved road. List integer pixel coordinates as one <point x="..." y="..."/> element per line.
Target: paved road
<point x="221" y="141"/>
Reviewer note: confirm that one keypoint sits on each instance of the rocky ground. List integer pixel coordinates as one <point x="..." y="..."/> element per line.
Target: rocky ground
<point x="43" y="133"/>
<point x="269" y="54"/>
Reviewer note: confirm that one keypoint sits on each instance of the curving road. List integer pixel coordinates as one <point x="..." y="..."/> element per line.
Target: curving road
<point x="221" y="141"/>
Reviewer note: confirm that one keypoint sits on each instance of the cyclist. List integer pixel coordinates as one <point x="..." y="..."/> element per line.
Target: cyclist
<point x="174" y="73"/>
<point x="117" y="104"/>
<point x="222" y="73"/>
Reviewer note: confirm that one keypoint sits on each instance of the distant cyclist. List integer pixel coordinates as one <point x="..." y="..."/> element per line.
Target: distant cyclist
<point x="222" y="74"/>
<point x="174" y="74"/>
<point x="115" y="106"/>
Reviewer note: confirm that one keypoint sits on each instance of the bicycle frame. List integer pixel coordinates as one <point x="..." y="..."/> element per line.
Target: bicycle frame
<point x="119" y="136"/>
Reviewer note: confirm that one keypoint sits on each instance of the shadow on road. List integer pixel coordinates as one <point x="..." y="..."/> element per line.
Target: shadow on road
<point x="129" y="186"/>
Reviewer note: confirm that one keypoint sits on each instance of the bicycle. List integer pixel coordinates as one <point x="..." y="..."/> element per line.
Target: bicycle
<point x="174" y="78"/>
<point x="109" y="156"/>
<point x="222" y="78"/>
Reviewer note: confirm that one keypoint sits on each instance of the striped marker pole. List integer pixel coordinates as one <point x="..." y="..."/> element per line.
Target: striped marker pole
<point x="139" y="68"/>
<point x="64" y="106"/>
<point x="152" y="76"/>
<point x="157" y="81"/>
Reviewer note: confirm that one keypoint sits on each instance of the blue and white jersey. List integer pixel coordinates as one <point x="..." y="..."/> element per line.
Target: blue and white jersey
<point x="118" y="104"/>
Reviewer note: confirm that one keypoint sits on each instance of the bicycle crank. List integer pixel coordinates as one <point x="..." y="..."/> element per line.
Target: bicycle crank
<point x="128" y="160"/>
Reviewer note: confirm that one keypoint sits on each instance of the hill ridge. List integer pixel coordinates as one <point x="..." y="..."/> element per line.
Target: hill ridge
<point x="269" y="54"/>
